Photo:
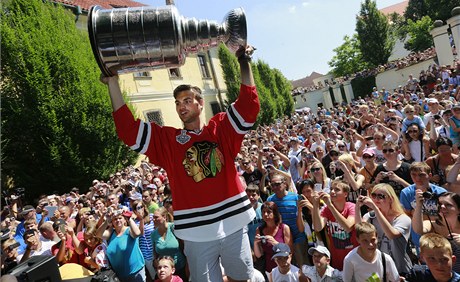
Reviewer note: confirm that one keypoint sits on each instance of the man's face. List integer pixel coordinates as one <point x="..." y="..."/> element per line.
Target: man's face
<point x="64" y="213"/>
<point x="320" y="261"/>
<point x="368" y="242"/>
<point x="284" y="262"/>
<point x="253" y="196"/>
<point x="439" y="263"/>
<point x="187" y="107"/>
<point x="420" y="178"/>
<point x="278" y="185"/>
<point x="146" y="197"/>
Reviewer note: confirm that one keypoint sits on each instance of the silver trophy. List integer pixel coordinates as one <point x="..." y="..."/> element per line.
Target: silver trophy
<point x="144" y="38"/>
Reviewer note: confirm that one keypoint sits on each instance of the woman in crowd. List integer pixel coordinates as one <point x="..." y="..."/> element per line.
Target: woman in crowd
<point x="392" y="224"/>
<point x="347" y="165"/>
<point x="415" y="145"/>
<point x="93" y="248"/>
<point x="271" y="232"/>
<point x="318" y="176"/>
<point x="368" y="169"/>
<point x="393" y="171"/>
<point x="448" y="225"/>
<point x="439" y="162"/>
<point x="123" y="249"/>
<point x="453" y="177"/>
<point x="145" y="243"/>
<point x="165" y="243"/>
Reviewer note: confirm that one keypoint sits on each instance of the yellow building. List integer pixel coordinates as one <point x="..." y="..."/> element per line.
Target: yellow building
<point x="151" y="92"/>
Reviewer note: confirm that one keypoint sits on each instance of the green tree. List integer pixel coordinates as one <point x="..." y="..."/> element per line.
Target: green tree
<point x="231" y="71"/>
<point x="56" y="118"/>
<point x="419" y="34"/>
<point x="284" y="87"/>
<point x="435" y="9"/>
<point x="348" y="58"/>
<point x="375" y="40"/>
<point x="267" y="104"/>
<point x="268" y="79"/>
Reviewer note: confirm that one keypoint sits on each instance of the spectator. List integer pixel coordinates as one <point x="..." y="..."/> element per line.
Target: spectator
<point x="286" y="202"/>
<point x="347" y="165"/>
<point x="437" y="254"/>
<point x="271" y="232"/>
<point x="439" y="162"/>
<point x="321" y="271"/>
<point x="253" y="193"/>
<point x="415" y="145"/>
<point x="411" y="118"/>
<point x="9" y="255"/>
<point x="284" y="271"/>
<point x="165" y="243"/>
<point x="453" y="177"/>
<point x="148" y="200"/>
<point x="338" y="217"/>
<point x="366" y="262"/>
<point x="93" y="248"/>
<point x="391" y="223"/>
<point x="35" y="246"/>
<point x="123" y="249"/>
<point x="454" y="123"/>
<point x="368" y="169"/>
<point x="165" y="267"/>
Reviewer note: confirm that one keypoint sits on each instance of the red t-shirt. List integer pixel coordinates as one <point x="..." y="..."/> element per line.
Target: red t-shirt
<point x="339" y="242"/>
<point x="71" y="255"/>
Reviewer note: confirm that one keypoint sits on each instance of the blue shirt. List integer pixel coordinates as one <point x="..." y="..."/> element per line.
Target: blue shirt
<point x="407" y="198"/>
<point x="423" y="273"/>
<point x="287" y="207"/>
<point x="124" y="254"/>
<point x="252" y="226"/>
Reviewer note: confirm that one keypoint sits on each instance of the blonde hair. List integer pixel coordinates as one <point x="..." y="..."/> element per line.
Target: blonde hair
<point x="322" y="169"/>
<point x="396" y="206"/>
<point x="432" y="241"/>
<point x="347" y="158"/>
<point x="364" y="228"/>
<point x="164" y="212"/>
<point x="408" y="108"/>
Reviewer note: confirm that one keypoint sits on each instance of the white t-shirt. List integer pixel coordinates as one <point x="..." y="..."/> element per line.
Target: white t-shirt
<point x="356" y="269"/>
<point x="44" y="251"/>
<point x="316" y="145"/>
<point x="291" y="276"/>
<point x="330" y="275"/>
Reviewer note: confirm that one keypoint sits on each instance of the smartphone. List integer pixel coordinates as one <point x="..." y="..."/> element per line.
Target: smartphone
<point x="363" y="192"/>
<point x="318" y="187"/>
<point x="51" y="210"/>
<point x="13" y="246"/>
<point x="266" y="149"/>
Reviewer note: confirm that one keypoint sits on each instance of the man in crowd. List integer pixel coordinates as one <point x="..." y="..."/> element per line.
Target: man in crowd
<point x="211" y="209"/>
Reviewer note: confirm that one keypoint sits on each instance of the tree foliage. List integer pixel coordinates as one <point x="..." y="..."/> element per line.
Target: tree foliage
<point x="435" y="9"/>
<point x="375" y="40"/>
<point x="420" y="38"/>
<point x="57" y="126"/>
<point x="348" y="58"/>
<point x="273" y="88"/>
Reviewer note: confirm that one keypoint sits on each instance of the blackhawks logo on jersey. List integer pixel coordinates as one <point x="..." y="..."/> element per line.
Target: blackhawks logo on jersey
<point x="203" y="160"/>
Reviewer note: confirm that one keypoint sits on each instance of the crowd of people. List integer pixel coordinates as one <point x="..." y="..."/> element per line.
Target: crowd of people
<point x="363" y="191"/>
<point x="411" y="59"/>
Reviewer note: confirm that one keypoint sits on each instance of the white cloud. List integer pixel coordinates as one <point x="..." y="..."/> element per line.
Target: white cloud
<point x="292" y="9"/>
<point x="305" y="4"/>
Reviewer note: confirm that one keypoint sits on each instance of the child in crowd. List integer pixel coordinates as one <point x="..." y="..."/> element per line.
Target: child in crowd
<point x="411" y="117"/>
<point x="436" y="251"/>
<point x="366" y="262"/>
<point x="321" y="271"/>
<point x="284" y="271"/>
<point x="165" y="270"/>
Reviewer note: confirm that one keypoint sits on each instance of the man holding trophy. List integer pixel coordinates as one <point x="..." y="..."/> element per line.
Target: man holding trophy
<point x="211" y="208"/>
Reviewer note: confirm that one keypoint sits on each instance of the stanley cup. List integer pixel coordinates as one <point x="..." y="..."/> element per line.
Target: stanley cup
<point x="144" y="38"/>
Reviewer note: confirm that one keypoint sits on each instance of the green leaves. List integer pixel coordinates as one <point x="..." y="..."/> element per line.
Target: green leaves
<point x="420" y="38"/>
<point x="56" y="114"/>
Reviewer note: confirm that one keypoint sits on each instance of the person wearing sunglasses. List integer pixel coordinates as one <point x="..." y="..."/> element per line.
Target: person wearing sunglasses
<point x="411" y="117"/>
<point x="392" y="224"/>
<point x="318" y="176"/>
<point x="369" y="168"/>
<point x="393" y="171"/>
<point x="415" y="145"/>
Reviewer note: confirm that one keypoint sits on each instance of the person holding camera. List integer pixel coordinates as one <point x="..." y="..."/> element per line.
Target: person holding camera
<point x="447" y="226"/>
<point x="415" y="145"/>
<point x="390" y="221"/>
<point x="271" y="232"/>
<point x="9" y="255"/>
<point x="421" y="174"/>
<point x="439" y="162"/>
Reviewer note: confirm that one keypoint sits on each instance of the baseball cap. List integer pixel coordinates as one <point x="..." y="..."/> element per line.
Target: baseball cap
<point x="152" y="186"/>
<point x="58" y="222"/>
<point x="136" y="197"/>
<point x="432" y="101"/>
<point x="320" y="249"/>
<point x="369" y="152"/>
<point x="26" y="209"/>
<point x="456" y="106"/>
<point x="155" y="168"/>
<point x="281" y="250"/>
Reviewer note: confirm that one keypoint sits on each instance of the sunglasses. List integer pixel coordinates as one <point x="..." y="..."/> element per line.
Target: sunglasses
<point x="333" y="154"/>
<point x="275" y="184"/>
<point x="315" y="169"/>
<point x="378" y="196"/>
<point x="139" y="208"/>
<point x="412" y="131"/>
<point x="245" y="163"/>
<point x="409" y="112"/>
<point x="388" y="151"/>
<point x="367" y="157"/>
<point x="341" y="146"/>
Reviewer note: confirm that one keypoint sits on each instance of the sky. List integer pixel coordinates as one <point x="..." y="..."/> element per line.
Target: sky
<point x="297" y="36"/>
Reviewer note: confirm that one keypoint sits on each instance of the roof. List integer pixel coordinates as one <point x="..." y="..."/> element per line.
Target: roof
<point x="398" y="8"/>
<point x="105" y="4"/>
<point x="306" y="81"/>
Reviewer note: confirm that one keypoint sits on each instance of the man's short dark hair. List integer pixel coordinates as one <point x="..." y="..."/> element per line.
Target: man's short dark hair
<point x="187" y="87"/>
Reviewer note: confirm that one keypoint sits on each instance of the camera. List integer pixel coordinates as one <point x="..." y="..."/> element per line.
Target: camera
<point x="13" y="246"/>
<point x="437" y="117"/>
<point x="428" y="195"/>
<point x="266" y="149"/>
<point x="263" y="239"/>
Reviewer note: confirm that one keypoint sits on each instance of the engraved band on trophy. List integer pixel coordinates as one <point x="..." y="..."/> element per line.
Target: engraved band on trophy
<point x="144" y="38"/>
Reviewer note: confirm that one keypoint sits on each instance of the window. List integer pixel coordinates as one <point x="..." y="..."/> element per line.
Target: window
<point x="203" y="66"/>
<point x="215" y="107"/>
<point x="174" y="73"/>
<point x="142" y="74"/>
<point x="155" y="116"/>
